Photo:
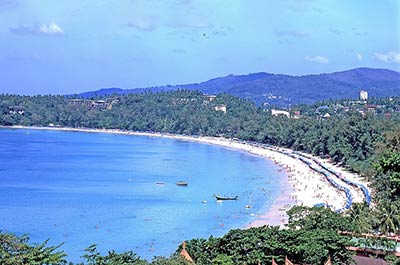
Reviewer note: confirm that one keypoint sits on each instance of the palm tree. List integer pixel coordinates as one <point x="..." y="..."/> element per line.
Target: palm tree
<point x="388" y="215"/>
<point x="361" y="217"/>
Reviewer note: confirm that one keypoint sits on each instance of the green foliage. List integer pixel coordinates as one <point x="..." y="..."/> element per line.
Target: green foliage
<point x="93" y="257"/>
<point x="388" y="169"/>
<point x="174" y="260"/>
<point x="15" y="250"/>
<point x="388" y="216"/>
<point x="301" y="217"/>
<point x="261" y="244"/>
<point x="362" y="218"/>
<point x="222" y="259"/>
<point x="393" y="260"/>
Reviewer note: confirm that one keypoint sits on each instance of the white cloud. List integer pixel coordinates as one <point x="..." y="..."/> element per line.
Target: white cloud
<point x="390" y="57"/>
<point x="317" y="59"/>
<point x="52" y="29"/>
<point x="43" y="30"/>
<point x="359" y="57"/>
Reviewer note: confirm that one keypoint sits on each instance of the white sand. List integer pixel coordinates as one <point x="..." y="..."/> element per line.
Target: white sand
<point x="308" y="187"/>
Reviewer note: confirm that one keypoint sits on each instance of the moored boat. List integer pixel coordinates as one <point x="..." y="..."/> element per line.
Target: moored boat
<point x="225" y="198"/>
<point x="181" y="183"/>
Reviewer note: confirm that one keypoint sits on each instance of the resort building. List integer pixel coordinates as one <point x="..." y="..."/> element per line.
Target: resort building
<point x="16" y="110"/>
<point x="364" y="95"/>
<point x="220" y="108"/>
<point x="275" y="112"/>
<point x="210" y="97"/>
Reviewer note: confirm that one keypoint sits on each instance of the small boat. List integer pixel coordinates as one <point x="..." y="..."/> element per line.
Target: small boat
<point x="225" y="198"/>
<point x="181" y="183"/>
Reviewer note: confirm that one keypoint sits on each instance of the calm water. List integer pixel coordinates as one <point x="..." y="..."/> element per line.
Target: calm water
<point x="85" y="188"/>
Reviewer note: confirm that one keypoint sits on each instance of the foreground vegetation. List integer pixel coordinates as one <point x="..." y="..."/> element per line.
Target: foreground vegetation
<point x="312" y="235"/>
<point x="366" y="143"/>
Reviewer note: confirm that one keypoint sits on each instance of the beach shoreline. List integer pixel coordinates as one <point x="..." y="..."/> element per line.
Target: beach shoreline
<point x="301" y="186"/>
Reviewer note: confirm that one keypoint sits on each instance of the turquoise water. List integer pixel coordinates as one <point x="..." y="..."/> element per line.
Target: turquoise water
<point x="84" y="188"/>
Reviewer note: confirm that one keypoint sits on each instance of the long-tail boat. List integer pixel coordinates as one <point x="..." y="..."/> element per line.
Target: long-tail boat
<point x="225" y="198"/>
<point x="181" y="183"/>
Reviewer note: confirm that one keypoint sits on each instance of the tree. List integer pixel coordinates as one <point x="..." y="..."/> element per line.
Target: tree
<point x="15" y="250"/>
<point x="388" y="216"/>
<point x="93" y="257"/>
<point x="362" y="218"/>
<point x="389" y="169"/>
<point x="302" y="217"/>
<point x="173" y="260"/>
<point x="223" y="259"/>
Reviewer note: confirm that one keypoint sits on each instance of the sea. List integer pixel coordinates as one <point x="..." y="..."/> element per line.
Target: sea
<point x="119" y="191"/>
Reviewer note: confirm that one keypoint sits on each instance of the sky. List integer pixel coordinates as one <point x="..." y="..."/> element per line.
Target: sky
<point x="72" y="46"/>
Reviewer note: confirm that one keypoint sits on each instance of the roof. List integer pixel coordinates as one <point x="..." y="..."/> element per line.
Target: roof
<point x="359" y="260"/>
<point x="185" y="254"/>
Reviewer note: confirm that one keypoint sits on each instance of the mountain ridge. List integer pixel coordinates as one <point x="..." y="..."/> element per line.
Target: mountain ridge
<point x="284" y="90"/>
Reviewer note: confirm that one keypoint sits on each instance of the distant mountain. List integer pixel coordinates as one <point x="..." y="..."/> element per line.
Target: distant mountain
<point x="102" y="92"/>
<point x="284" y="90"/>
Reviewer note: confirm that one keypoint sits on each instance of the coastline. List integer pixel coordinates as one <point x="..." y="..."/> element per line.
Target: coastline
<point x="301" y="186"/>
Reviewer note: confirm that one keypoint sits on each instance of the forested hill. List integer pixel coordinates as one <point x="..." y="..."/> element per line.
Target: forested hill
<point x="284" y="90"/>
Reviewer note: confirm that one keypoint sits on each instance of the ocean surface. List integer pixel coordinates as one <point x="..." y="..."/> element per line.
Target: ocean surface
<point x="96" y="188"/>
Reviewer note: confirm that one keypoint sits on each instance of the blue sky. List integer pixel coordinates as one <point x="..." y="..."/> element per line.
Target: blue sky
<point x="69" y="46"/>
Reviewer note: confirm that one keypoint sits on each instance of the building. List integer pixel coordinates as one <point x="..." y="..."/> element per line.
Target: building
<point x="371" y="108"/>
<point x="364" y="95"/>
<point x="220" y="108"/>
<point x="210" y="97"/>
<point x="94" y="104"/>
<point x="275" y="112"/>
<point x="326" y="116"/>
<point x="16" y="109"/>
<point x="296" y="114"/>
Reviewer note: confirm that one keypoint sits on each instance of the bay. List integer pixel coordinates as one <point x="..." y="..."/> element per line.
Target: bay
<point x="97" y="188"/>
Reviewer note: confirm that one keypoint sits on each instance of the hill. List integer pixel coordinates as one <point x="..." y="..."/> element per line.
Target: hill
<point x="284" y="90"/>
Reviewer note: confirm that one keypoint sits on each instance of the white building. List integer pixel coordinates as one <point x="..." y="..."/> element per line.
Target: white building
<point x="220" y="108"/>
<point x="363" y="95"/>
<point x="275" y="112"/>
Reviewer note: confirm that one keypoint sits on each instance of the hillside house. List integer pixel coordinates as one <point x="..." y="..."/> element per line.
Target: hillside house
<point x="210" y="97"/>
<point x="296" y="114"/>
<point x="275" y="112"/>
<point x="220" y="107"/>
<point x="371" y="108"/>
<point x="16" y="110"/>
<point x="93" y="104"/>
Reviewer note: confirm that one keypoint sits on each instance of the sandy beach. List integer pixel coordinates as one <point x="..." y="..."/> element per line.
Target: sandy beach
<point x="303" y="186"/>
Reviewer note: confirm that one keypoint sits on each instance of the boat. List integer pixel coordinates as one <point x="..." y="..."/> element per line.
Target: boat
<point x="225" y="198"/>
<point x="181" y="183"/>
